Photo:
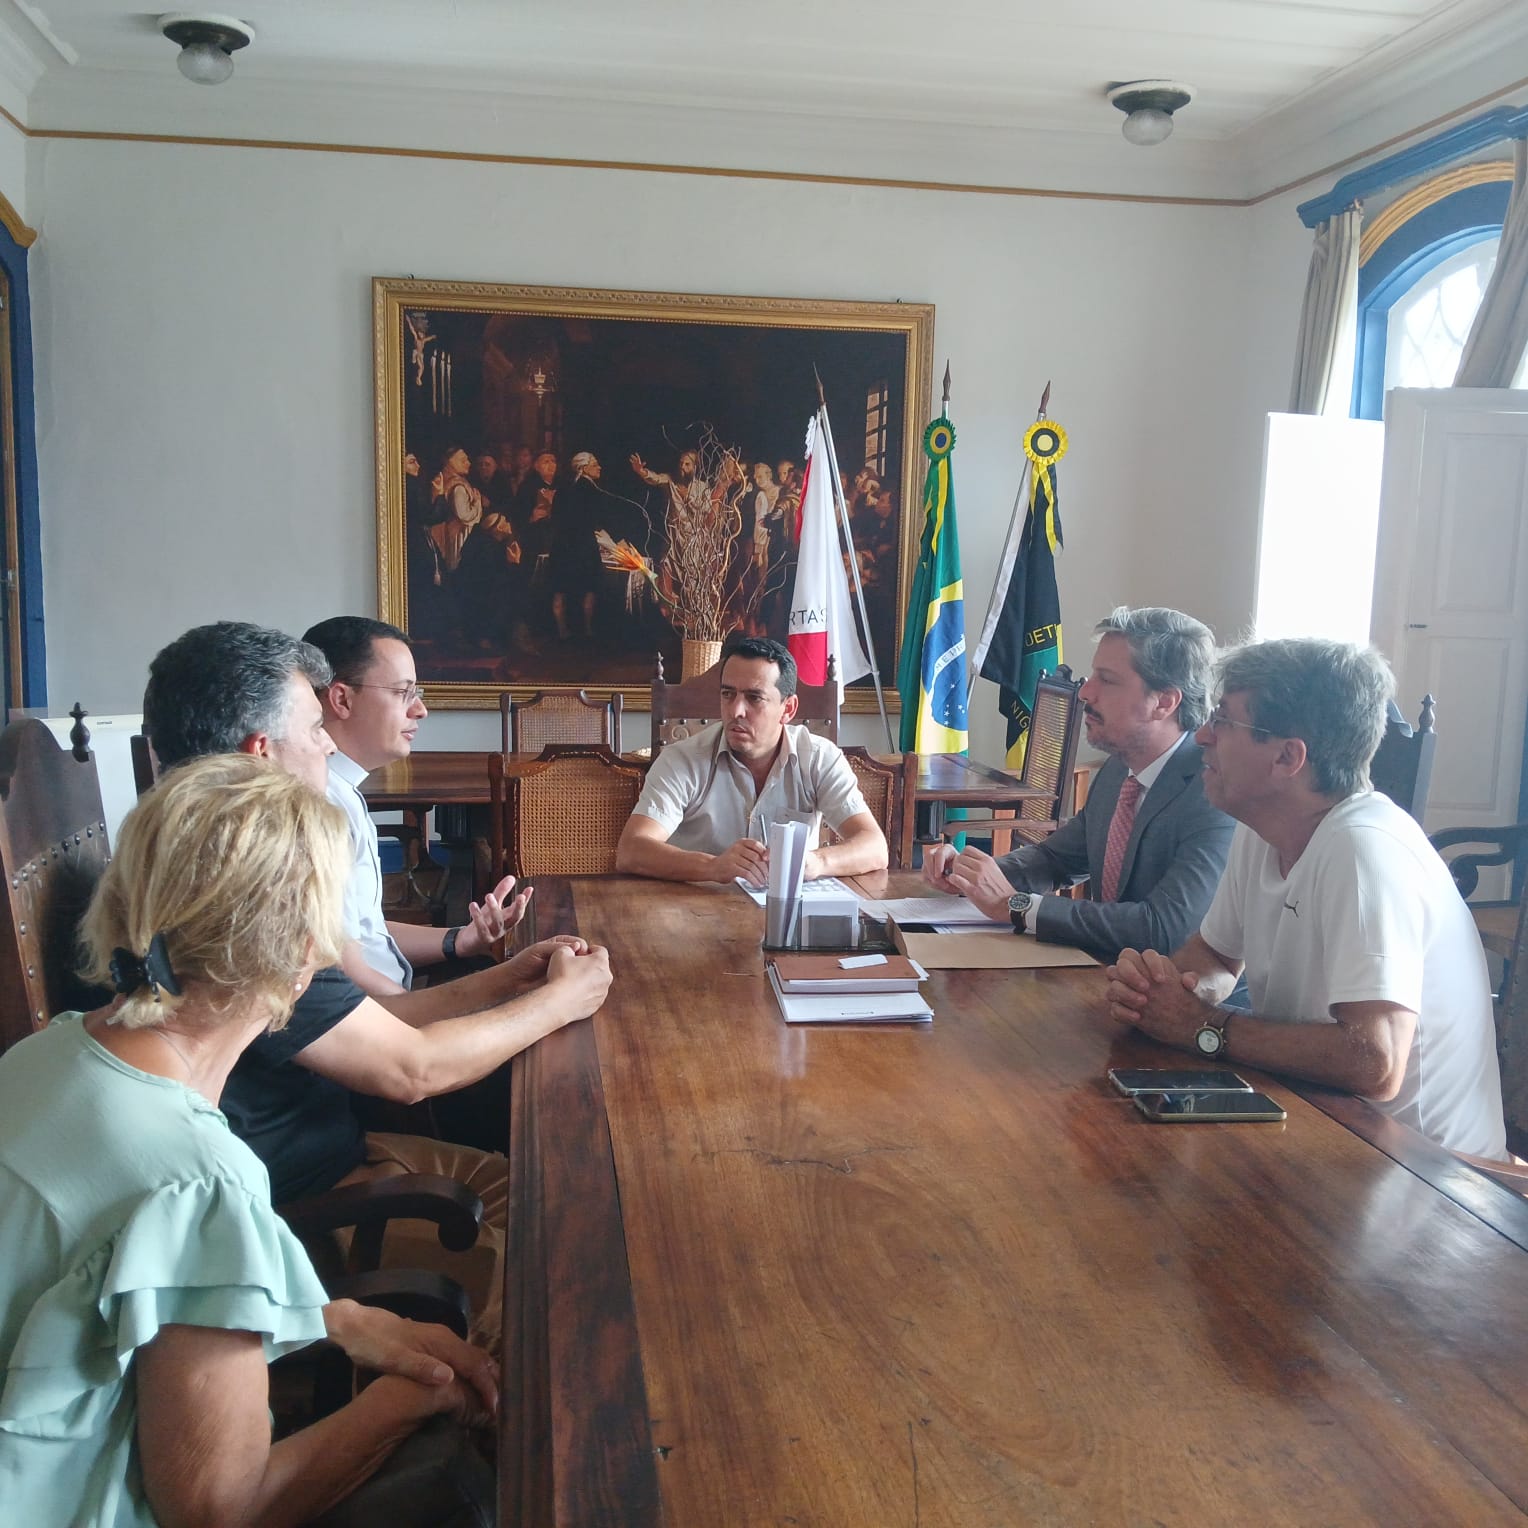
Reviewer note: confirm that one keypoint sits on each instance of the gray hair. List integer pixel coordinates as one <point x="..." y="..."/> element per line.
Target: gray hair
<point x="1170" y="651"/>
<point x="1333" y="696"/>
<point x="218" y="685"/>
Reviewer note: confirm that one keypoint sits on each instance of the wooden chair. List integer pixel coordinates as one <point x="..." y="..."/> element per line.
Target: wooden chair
<point x="555" y="717"/>
<point x="561" y="814"/>
<point x="882" y="782"/>
<point x="1512" y="1041"/>
<point x="681" y="710"/>
<point x="52" y="851"/>
<point x="1050" y="760"/>
<point x="1402" y="766"/>
<point x="145" y="763"/>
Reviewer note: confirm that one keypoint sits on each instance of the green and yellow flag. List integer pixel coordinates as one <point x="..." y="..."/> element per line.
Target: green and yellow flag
<point x="931" y="677"/>
<point x="1022" y="636"/>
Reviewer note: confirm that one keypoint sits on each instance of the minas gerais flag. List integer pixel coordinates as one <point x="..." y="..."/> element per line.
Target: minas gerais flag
<point x="932" y="673"/>
<point x="1022" y="636"/>
<point x="821" y="617"/>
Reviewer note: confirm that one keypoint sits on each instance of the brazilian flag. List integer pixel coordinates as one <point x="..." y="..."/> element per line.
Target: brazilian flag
<point x="931" y="677"/>
<point x="1025" y="639"/>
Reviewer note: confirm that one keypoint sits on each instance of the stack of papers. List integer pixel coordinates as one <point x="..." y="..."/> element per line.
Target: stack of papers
<point x="798" y="974"/>
<point x="851" y="1007"/>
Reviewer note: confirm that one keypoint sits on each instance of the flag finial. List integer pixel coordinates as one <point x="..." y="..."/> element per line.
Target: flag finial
<point x="1044" y="400"/>
<point x="822" y="401"/>
<point x="945" y="404"/>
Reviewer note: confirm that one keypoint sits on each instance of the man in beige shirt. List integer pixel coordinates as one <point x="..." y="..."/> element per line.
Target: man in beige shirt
<point x="709" y="801"/>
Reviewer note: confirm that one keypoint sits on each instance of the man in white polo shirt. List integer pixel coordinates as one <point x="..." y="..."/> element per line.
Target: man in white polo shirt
<point x="1363" y="964"/>
<point x="705" y="811"/>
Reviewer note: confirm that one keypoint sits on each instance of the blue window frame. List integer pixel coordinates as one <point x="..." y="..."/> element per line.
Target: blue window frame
<point x="1419" y="245"/>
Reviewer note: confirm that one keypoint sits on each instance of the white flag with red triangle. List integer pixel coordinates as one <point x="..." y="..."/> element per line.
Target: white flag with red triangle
<point x="822" y="617"/>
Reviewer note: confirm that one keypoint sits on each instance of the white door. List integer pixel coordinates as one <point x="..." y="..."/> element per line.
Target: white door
<point x="1451" y="588"/>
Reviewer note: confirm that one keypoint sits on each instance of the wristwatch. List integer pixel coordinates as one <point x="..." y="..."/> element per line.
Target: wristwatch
<point x="1210" y="1039"/>
<point x="448" y="944"/>
<point x="1020" y="905"/>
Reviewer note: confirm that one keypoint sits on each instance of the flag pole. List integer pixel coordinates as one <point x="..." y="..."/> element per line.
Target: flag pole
<point x="1005" y="562"/>
<point x="859" y="590"/>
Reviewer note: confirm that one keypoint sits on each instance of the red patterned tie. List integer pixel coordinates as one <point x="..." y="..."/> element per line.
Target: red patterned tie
<point x="1119" y="835"/>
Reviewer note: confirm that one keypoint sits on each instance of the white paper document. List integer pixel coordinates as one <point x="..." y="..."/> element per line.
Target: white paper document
<point x="944" y="911"/>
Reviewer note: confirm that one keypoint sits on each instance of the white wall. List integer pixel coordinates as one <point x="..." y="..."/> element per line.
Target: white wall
<point x="13" y="167"/>
<point x="204" y="367"/>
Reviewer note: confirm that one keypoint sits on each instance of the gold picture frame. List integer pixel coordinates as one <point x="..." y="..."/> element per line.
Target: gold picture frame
<point x="487" y="394"/>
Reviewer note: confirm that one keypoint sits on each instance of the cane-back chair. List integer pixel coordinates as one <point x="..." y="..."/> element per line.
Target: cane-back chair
<point x="1050" y="759"/>
<point x="561" y="814"/>
<point x="1402" y="768"/>
<point x="528" y="725"/>
<point x="681" y="710"/>
<point x="882" y="783"/>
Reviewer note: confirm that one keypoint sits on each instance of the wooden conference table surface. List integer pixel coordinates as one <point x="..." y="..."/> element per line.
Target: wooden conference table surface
<point x="944" y="1275"/>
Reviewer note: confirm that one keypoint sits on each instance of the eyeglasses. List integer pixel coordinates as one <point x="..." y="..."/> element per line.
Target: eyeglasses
<point x="407" y="693"/>
<point x="1219" y="721"/>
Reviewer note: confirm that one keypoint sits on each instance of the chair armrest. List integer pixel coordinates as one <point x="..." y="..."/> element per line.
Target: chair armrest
<point x="1502" y="847"/>
<point x="986" y="825"/>
<point x="409" y="1292"/>
<point x="454" y="1209"/>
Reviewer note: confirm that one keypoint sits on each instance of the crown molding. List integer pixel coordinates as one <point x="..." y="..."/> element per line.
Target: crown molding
<point x="983" y="153"/>
<point x="1407" y="88"/>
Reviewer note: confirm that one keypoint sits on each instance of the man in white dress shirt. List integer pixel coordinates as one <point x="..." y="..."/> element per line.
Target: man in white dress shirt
<point x="1363" y="964"/>
<point x="372" y="710"/>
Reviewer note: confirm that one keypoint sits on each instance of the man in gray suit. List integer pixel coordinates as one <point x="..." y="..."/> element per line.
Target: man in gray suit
<point x="1149" y="843"/>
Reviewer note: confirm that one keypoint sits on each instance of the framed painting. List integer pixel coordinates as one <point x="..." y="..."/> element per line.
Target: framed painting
<point x="543" y="454"/>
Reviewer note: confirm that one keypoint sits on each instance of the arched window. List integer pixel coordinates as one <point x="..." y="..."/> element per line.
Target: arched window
<point x="1423" y="266"/>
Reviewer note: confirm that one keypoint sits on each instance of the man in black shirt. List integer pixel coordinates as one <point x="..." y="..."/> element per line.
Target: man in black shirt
<point x="233" y="687"/>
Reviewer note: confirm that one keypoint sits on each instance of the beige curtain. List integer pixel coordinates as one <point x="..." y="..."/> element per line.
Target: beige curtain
<point x="1494" y="349"/>
<point x="1329" y="319"/>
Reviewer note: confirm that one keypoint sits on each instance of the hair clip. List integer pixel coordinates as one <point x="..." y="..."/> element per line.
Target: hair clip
<point x="130" y="972"/>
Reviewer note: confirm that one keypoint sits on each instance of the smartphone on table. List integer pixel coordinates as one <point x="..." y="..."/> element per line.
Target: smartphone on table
<point x="1175" y="1079"/>
<point x="1184" y="1108"/>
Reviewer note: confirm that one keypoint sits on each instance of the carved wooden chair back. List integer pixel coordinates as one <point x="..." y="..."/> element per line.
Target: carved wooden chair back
<point x="683" y="709"/>
<point x="881" y="783"/>
<point x="559" y="717"/>
<point x="52" y="849"/>
<point x="1051" y="753"/>
<point x="1402" y="767"/>
<point x="561" y="814"/>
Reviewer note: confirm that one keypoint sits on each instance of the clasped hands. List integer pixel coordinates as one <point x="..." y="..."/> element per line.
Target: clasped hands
<point x="467" y="1379"/>
<point x="1148" y="992"/>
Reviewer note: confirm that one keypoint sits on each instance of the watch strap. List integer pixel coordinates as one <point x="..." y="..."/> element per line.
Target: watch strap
<point x="448" y="944"/>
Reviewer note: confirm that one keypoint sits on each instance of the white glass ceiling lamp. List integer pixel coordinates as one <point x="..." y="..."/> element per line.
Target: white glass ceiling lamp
<point x="1148" y="106"/>
<point x="207" y="43"/>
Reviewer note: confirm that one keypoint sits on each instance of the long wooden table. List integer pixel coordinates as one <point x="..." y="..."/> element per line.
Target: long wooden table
<point x="946" y="1276"/>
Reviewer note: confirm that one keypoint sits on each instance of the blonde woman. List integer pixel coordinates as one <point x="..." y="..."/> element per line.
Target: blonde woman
<point x="146" y="1281"/>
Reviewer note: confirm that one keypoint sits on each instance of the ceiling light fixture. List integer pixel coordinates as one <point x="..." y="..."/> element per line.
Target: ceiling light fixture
<point x="1148" y="106"/>
<point x="207" y="43"/>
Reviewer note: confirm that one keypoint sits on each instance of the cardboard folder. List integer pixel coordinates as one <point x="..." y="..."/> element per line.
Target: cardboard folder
<point x="982" y="949"/>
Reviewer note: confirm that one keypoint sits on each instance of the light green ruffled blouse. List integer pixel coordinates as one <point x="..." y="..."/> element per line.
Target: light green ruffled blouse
<point x="125" y="1204"/>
